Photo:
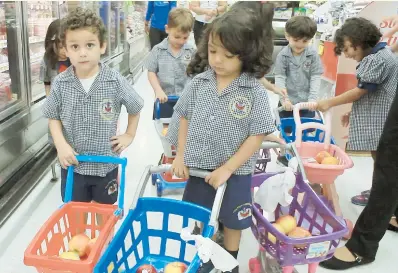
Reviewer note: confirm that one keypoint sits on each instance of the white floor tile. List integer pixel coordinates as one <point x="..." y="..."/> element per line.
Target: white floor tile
<point x="146" y="149"/>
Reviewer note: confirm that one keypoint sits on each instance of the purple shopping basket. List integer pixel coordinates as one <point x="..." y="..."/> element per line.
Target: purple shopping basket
<point x="310" y="213"/>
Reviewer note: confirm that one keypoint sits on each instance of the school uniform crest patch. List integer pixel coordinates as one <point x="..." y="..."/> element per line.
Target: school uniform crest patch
<point x="107" y="111"/>
<point x="239" y="107"/>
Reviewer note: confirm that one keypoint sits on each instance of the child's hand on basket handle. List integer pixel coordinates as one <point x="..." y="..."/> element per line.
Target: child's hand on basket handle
<point x="66" y="156"/>
<point x="161" y="96"/>
<point x="287" y="105"/>
<point x="178" y="168"/>
<point x="218" y="177"/>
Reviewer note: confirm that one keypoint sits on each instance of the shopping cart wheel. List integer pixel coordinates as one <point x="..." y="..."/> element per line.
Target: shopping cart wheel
<point x="159" y="189"/>
<point x="254" y="265"/>
<point x="350" y="227"/>
<point x="154" y="176"/>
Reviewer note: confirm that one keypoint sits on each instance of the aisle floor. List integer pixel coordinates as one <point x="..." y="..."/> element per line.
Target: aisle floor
<point x="146" y="149"/>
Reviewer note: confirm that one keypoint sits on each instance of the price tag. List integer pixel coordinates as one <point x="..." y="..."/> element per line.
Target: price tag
<point x="318" y="250"/>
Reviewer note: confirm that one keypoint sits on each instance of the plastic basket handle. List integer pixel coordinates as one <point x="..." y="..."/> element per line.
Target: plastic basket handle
<point x="291" y="147"/>
<point x="157" y="105"/>
<point x="149" y="170"/>
<point x="300" y="127"/>
<point x="98" y="159"/>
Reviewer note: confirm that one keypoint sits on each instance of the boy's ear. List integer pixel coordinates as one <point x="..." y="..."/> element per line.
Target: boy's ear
<point x="166" y="28"/>
<point x="103" y="47"/>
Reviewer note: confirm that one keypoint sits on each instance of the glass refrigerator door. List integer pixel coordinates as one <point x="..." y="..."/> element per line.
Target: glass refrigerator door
<point x="12" y="95"/>
<point x="40" y="14"/>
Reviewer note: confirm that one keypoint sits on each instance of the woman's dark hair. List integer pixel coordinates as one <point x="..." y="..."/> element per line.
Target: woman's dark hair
<point x="51" y="43"/>
<point x="359" y="31"/>
<point x="246" y="31"/>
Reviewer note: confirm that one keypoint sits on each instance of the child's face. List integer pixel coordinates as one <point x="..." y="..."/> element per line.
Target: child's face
<point x="60" y="49"/>
<point x="298" y="45"/>
<point x="221" y="60"/>
<point x="83" y="49"/>
<point x="351" y="52"/>
<point x="177" y="38"/>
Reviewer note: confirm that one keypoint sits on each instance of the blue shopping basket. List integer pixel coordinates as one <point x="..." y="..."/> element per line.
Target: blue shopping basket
<point x="133" y="244"/>
<point x="308" y="135"/>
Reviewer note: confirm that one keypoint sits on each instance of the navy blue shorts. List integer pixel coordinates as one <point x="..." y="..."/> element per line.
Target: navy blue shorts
<point x="166" y="109"/>
<point x="87" y="188"/>
<point x="236" y="208"/>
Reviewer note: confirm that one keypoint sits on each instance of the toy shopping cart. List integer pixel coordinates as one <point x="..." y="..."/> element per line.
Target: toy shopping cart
<point x="310" y="213"/>
<point x="165" y="180"/>
<point x="73" y="218"/>
<point x="139" y="242"/>
<point x="284" y="124"/>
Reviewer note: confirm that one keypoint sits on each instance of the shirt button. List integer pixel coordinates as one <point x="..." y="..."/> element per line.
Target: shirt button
<point x="212" y="117"/>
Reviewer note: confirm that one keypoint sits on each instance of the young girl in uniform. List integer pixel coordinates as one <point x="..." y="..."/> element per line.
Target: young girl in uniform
<point x="222" y="118"/>
<point x="53" y="63"/>
<point x="377" y="78"/>
<point x="54" y="60"/>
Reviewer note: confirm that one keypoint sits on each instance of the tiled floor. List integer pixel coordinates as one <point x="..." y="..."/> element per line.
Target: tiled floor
<point x="146" y="149"/>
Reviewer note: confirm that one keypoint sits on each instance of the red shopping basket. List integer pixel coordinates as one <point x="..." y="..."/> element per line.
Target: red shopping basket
<point x="73" y="218"/>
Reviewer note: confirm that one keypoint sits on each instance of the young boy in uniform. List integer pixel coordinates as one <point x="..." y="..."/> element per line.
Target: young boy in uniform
<point x="298" y="69"/>
<point x="83" y="109"/>
<point x="168" y="61"/>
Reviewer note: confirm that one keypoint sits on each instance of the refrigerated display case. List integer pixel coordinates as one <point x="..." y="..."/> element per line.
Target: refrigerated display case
<point x="40" y="16"/>
<point x="12" y="95"/>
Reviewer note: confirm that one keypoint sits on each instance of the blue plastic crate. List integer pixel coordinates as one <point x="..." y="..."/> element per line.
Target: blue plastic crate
<point x="131" y="248"/>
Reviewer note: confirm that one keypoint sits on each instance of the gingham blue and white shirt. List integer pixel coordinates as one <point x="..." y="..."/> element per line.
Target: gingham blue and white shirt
<point x="220" y="123"/>
<point x="170" y="69"/>
<point x="378" y="74"/>
<point x="89" y="119"/>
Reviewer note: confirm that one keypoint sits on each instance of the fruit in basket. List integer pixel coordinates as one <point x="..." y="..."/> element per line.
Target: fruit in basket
<point x="330" y="161"/>
<point x="321" y="156"/>
<point x="287" y="222"/>
<point x="175" y="267"/>
<point x="299" y="233"/>
<point x="271" y="237"/>
<point x="70" y="255"/>
<point x="79" y="244"/>
<point x="146" y="268"/>
<point x="164" y="131"/>
<point x="90" y="245"/>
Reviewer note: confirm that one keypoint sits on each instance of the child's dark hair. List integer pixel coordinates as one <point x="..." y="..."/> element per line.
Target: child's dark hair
<point x="301" y="27"/>
<point x="359" y="31"/>
<point x="181" y="19"/>
<point x="242" y="32"/>
<point x="83" y="18"/>
<point x="51" y="43"/>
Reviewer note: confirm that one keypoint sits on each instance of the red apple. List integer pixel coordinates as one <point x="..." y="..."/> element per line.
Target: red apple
<point x="279" y="228"/>
<point x="175" y="267"/>
<point x="321" y="156"/>
<point x="146" y="268"/>
<point x="90" y="245"/>
<point x="79" y="243"/>
<point x="287" y="222"/>
<point x="299" y="232"/>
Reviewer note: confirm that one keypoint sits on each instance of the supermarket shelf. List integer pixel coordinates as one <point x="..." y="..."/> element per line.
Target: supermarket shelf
<point x="32" y="40"/>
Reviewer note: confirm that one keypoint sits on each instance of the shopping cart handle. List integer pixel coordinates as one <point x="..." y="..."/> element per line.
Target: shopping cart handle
<point x="157" y="105"/>
<point x="98" y="159"/>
